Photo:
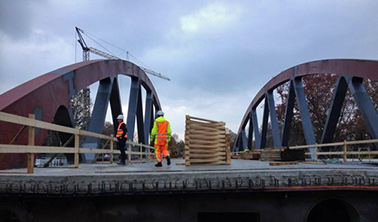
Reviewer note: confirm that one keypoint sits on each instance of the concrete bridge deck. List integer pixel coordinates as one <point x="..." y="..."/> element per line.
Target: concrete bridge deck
<point x="243" y="191"/>
<point x="144" y="178"/>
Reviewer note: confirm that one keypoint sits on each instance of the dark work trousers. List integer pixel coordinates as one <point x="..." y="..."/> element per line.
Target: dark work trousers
<point x="121" y="146"/>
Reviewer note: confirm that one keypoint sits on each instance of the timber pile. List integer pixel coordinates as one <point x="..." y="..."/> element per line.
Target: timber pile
<point x="206" y="142"/>
<point x="282" y="155"/>
<point x="293" y="155"/>
<point x="251" y="155"/>
<point x="271" y="154"/>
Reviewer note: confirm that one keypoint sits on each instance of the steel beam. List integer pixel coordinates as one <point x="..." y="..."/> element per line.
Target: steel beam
<point x="256" y="130"/>
<point x="244" y="141"/>
<point x="264" y="128"/>
<point x="334" y="111"/>
<point x="364" y="104"/>
<point x="148" y="116"/>
<point x="139" y="115"/>
<point x="250" y="132"/>
<point x="98" y="115"/>
<point x="115" y="103"/>
<point x="273" y="120"/>
<point x="133" y="106"/>
<point x="288" y="115"/>
<point x="305" y="115"/>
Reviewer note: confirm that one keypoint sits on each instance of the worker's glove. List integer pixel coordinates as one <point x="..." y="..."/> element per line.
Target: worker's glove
<point x="152" y="143"/>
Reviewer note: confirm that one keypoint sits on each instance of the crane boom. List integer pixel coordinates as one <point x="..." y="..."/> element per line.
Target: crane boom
<point x="87" y="49"/>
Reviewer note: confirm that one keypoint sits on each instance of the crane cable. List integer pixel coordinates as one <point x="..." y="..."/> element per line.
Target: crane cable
<point x="127" y="52"/>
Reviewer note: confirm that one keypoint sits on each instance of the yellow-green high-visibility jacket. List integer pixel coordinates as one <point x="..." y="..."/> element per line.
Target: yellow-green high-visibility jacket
<point x="161" y="131"/>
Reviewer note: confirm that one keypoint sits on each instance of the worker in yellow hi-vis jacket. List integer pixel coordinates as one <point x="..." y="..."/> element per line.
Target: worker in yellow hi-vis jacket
<point x="160" y="137"/>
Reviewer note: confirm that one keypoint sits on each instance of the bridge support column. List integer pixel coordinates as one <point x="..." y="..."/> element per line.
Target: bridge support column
<point x="337" y="101"/>
<point x="288" y="115"/>
<point x="115" y="104"/>
<point x="305" y="115"/>
<point x="98" y="115"/>
<point x="133" y="106"/>
<point x="364" y="104"/>
<point x="148" y="116"/>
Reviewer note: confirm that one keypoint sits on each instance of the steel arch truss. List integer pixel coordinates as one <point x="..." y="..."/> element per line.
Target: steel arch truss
<point x="47" y="94"/>
<point x="350" y="75"/>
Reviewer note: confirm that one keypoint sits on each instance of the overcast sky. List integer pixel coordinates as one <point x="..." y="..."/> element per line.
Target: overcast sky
<point x="218" y="54"/>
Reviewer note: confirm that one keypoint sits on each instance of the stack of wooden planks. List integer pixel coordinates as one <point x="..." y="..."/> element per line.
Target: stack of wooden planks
<point x="269" y="154"/>
<point x="282" y="155"/>
<point x="206" y="142"/>
<point x="251" y="155"/>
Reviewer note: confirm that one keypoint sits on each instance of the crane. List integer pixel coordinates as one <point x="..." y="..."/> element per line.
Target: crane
<point x="87" y="50"/>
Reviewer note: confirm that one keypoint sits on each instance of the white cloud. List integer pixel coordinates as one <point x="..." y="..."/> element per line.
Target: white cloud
<point x="215" y="17"/>
<point x="28" y="58"/>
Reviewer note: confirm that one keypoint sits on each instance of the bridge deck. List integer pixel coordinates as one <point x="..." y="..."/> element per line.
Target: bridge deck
<point x="142" y="178"/>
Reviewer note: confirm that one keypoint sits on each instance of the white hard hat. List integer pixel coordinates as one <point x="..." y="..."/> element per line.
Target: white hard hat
<point x="120" y="116"/>
<point x="160" y="113"/>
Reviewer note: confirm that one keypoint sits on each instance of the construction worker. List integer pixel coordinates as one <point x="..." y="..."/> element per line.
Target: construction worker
<point x="121" y="136"/>
<point x="160" y="137"/>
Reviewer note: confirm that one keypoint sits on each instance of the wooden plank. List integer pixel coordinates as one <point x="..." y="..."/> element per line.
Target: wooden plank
<point x="6" y="117"/>
<point x="228" y="152"/>
<point x="4" y="148"/>
<point x="204" y="141"/>
<point x="283" y="163"/>
<point x="220" y="138"/>
<point x="202" y="146"/>
<point x="18" y="134"/>
<point x="56" y="154"/>
<point x="315" y="163"/>
<point x="206" y="150"/>
<point x="215" y="124"/>
<point x="31" y="143"/>
<point x="10" y="172"/>
<point x="35" y="123"/>
<point x="111" y="159"/>
<point x="203" y="126"/>
<point x="76" y="155"/>
<point x="201" y="156"/>
<point x="203" y="119"/>
<point x="101" y="151"/>
<point x="206" y="160"/>
<point x="205" y="131"/>
<point x="210" y="163"/>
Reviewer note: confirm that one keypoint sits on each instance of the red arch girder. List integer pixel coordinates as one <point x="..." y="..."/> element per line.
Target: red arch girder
<point x="48" y="92"/>
<point x="366" y="69"/>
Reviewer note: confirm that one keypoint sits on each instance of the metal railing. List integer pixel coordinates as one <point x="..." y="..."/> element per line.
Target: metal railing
<point x="31" y="149"/>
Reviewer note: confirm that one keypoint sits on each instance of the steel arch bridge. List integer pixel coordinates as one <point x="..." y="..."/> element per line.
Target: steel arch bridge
<point x="350" y="75"/>
<point x="49" y="98"/>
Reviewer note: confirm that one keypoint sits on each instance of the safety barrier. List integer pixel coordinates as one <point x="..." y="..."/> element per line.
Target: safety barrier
<point x="31" y="149"/>
<point x="344" y="152"/>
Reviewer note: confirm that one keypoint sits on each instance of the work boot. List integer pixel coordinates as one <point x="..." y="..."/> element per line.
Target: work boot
<point x="168" y="161"/>
<point x="159" y="164"/>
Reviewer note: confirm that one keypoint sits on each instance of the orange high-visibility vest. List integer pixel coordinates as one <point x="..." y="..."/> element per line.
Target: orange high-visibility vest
<point x="161" y="137"/>
<point x="120" y="131"/>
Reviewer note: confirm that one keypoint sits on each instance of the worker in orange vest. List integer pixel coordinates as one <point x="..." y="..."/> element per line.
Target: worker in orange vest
<point x="160" y="137"/>
<point x="121" y="136"/>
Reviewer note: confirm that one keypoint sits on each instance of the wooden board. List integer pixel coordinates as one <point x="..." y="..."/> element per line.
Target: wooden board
<point x="283" y="163"/>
